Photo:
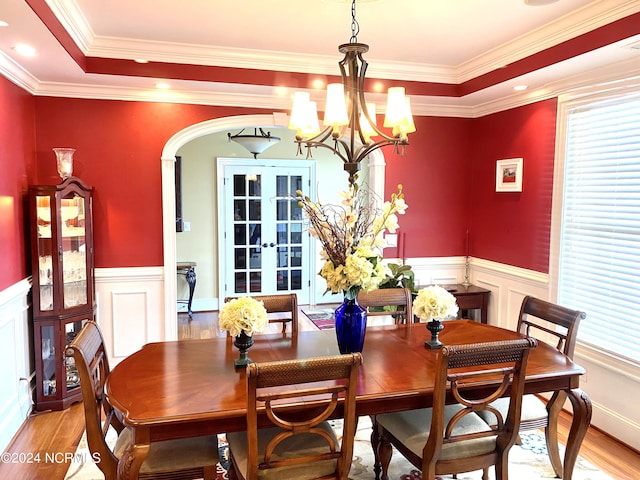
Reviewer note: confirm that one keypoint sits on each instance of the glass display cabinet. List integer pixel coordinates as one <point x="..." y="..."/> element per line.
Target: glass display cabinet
<point x="63" y="285"/>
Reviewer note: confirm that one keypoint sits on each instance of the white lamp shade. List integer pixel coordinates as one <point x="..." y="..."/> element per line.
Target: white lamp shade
<point x="396" y="107"/>
<point x="304" y="115"/>
<point x="255" y="144"/>
<point x="298" y="111"/>
<point x="365" y="127"/>
<point x="310" y="126"/>
<point x="336" y="108"/>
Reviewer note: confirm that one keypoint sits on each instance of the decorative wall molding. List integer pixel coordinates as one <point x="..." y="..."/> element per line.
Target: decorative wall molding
<point x="16" y="397"/>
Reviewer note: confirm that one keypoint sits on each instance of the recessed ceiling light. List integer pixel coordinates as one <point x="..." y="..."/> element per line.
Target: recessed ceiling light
<point x="519" y="88"/>
<point x="163" y="86"/>
<point x="25" y="50"/>
<point x="3" y="23"/>
<point x="141" y="60"/>
<point x="537" y="3"/>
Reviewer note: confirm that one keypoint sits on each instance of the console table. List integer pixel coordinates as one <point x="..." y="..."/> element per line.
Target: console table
<point x="468" y="297"/>
<point x="471" y="297"/>
<point x="188" y="269"/>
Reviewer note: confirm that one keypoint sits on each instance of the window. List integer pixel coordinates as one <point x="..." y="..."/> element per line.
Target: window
<point x="599" y="252"/>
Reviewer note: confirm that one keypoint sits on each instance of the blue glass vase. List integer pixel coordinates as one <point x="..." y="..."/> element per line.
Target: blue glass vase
<point x="351" y="325"/>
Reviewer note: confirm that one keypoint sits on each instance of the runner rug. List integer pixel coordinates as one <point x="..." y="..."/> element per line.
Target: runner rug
<point x="526" y="462"/>
<point x="322" y="317"/>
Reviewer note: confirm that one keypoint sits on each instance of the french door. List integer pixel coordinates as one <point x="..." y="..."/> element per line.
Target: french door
<point x="264" y="244"/>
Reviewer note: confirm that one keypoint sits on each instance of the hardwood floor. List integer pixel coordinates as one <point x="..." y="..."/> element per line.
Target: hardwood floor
<point x="42" y="448"/>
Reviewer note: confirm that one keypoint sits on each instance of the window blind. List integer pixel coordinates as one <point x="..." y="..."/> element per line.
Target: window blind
<point x="599" y="263"/>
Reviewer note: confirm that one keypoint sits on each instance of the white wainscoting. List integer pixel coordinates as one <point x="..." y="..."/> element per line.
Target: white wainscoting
<point x="15" y="370"/>
<point x="130" y="308"/>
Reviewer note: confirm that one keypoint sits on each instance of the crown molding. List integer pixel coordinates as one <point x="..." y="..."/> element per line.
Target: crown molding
<point x="16" y="74"/>
<point x="565" y="28"/>
<point x="74" y="22"/>
<point x="252" y="96"/>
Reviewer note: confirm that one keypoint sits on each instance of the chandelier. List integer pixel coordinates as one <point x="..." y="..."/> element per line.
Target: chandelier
<point x="349" y="121"/>
<point x="256" y="143"/>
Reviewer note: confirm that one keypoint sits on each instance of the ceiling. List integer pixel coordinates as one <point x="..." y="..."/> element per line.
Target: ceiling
<point x="456" y="57"/>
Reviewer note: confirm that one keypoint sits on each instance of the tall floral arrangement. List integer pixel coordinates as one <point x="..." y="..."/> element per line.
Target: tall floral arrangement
<point x="352" y="237"/>
<point x="434" y="302"/>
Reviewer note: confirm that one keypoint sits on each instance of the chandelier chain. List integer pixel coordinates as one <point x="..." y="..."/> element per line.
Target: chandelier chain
<point x="355" y="26"/>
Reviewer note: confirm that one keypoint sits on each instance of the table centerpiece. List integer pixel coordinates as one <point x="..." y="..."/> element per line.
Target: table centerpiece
<point x="241" y="317"/>
<point x="434" y="304"/>
<point x="352" y="239"/>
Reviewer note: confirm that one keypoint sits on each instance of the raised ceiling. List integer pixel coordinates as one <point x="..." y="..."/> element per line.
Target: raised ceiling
<point x="457" y="57"/>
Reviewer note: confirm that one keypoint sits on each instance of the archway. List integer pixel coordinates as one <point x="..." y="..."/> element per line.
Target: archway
<point x="168" y="158"/>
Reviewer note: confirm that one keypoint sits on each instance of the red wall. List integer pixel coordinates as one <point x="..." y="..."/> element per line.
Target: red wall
<point x="513" y="228"/>
<point x="17" y="137"/>
<point x="448" y="174"/>
<point x="434" y="174"/>
<point x="118" y="147"/>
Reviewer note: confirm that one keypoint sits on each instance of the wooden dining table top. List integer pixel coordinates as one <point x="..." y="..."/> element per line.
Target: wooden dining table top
<point x="195" y="380"/>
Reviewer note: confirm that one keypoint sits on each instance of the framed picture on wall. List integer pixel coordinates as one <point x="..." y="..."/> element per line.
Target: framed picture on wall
<point x="509" y="175"/>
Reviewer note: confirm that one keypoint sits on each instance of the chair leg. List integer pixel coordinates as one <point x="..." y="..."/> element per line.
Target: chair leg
<point x="209" y="472"/>
<point x="551" y="436"/>
<point x="384" y="454"/>
<point x="551" y="432"/>
<point x="502" y="468"/>
<point x="375" y="444"/>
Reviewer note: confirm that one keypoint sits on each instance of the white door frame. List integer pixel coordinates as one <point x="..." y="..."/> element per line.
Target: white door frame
<point x="168" y="159"/>
<point x="222" y="165"/>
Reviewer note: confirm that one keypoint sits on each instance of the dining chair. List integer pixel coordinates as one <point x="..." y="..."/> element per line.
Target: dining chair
<point x="188" y="458"/>
<point x="558" y="326"/>
<point x="284" y="442"/>
<point x="452" y="439"/>
<point x="279" y="304"/>
<point x="399" y="298"/>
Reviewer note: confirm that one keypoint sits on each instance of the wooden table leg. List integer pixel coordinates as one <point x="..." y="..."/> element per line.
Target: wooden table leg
<point x="133" y="456"/>
<point x="582" y="411"/>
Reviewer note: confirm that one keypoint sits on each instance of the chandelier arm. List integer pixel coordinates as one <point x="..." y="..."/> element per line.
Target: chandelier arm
<point x="361" y="78"/>
<point x="320" y="143"/>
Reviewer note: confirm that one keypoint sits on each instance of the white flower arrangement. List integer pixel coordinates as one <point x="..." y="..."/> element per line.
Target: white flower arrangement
<point x="434" y="302"/>
<point x="352" y="238"/>
<point x="243" y="314"/>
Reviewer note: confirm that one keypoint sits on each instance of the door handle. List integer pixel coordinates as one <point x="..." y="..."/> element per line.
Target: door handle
<point x="265" y="244"/>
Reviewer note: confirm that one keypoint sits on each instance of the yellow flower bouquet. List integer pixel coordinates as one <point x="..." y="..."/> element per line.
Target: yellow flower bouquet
<point x="434" y="303"/>
<point x="244" y="314"/>
<point x="352" y="238"/>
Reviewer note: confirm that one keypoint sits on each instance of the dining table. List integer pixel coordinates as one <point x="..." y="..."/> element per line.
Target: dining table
<point x="189" y="388"/>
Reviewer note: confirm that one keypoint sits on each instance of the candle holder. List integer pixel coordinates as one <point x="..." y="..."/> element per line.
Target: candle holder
<point x="466" y="282"/>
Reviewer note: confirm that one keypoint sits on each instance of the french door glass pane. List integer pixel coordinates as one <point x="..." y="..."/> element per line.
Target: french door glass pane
<point x="247" y="226"/>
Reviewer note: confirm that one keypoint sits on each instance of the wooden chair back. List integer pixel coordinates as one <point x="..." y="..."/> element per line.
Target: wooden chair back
<point x="536" y="315"/>
<point x="88" y="351"/>
<point x="312" y="379"/>
<point x="463" y="364"/>
<point x="384" y="297"/>
<point x="278" y="304"/>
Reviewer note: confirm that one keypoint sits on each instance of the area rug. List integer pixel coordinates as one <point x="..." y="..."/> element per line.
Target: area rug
<point x="321" y="317"/>
<point x="526" y="462"/>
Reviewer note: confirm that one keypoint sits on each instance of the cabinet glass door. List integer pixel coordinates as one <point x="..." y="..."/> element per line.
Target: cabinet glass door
<point x="48" y="339"/>
<point x="45" y="251"/>
<point x="72" y="329"/>
<point x="73" y="251"/>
